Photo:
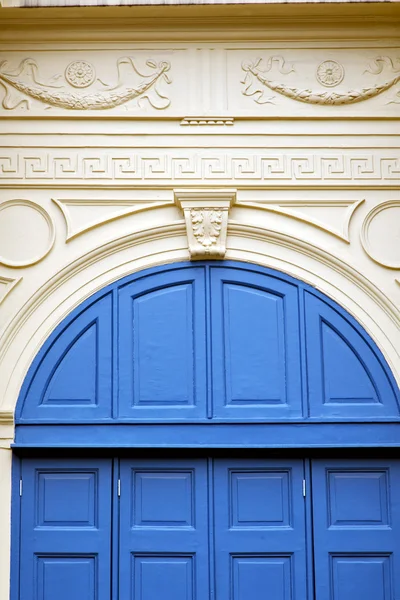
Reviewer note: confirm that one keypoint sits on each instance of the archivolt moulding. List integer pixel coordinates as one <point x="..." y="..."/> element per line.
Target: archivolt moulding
<point x="385" y="248"/>
<point x="66" y="289"/>
<point x="23" y="236"/>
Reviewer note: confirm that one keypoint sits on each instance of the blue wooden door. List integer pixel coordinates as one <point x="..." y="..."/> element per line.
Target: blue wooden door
<point x="65" y="530"/>
<point x="255" y="346"/>
<point x="162" y="347"/>
<point x="260" y="541"/>
<point x="164" y="530"/>
<point x="356" y="507"/>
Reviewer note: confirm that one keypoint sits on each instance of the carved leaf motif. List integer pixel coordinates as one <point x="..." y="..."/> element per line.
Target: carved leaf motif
<point x="206" y="225"/>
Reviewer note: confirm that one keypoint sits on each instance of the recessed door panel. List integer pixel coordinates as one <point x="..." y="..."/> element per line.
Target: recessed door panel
<point x="65" y="529"/>
<point x="356" y="529"/>
<point x="255" y="346"/>
<point x="260" y="542"/>
<point x="164" y="530"/>
<point x="162" y="341"/>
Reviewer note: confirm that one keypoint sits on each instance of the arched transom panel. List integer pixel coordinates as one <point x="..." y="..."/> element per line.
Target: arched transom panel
<point x="201" y="342"/>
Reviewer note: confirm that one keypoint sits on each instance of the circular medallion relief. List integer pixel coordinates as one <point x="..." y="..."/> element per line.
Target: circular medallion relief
<point x="330" y="73"/>
<point x="380" y="234"/>
<point x="80" y="74"/>
<point x="26" y="233"/>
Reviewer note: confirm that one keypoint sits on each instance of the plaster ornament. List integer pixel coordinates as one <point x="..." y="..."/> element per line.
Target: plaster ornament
<point x="207" y="121"/>
<point x="257" y="167"/>
<point x="380" y="234"/>
<point x="27" y="233"/>
<point x="255" y="83"/>
<point x="80" y="74"/>
<point x="108" y="97"/>
<point x="206" y="218"/>
<point x="6" y="285"/>
<point x="84" y="214"/>
<point x="330" y="73"/>
<point x="207" y="225"/>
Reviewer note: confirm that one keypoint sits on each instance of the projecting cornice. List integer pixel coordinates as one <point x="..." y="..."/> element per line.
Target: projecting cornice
<point x="216" y="21"/>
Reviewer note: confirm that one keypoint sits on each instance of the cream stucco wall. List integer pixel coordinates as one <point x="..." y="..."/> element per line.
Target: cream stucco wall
<point x="305" y="140"/>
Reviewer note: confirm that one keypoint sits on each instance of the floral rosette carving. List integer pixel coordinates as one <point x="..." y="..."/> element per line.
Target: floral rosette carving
<point x="80" y="74"/>
<point x="330" y="73"/>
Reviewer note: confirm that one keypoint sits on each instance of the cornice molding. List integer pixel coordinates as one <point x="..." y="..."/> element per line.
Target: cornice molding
<point x="302" y="21"/>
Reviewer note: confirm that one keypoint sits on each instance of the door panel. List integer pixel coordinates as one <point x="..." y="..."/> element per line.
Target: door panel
<point x="162" y="347"/>
<point x="356" y="507"/>
<point x="255" y="346"/>
<point x="164" y="530"/>
<point x="65" y="529"/>
<point x="260" y="543"/>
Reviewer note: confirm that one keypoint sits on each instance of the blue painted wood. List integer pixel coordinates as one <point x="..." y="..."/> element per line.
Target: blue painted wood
<point x="163" y="530"/>
<point x="73" y="376"/>
<point x="356" y="529"/>
<point x="255" y="346"/>
<point x="162" y="347"/>
<point x="65" y="529"/>
<point x="216" y="435"/>
<point x="208" y="342"/>
<point x="260" y="544"/>
<point x="186" y="526"/>
<point x="345" y="377"/>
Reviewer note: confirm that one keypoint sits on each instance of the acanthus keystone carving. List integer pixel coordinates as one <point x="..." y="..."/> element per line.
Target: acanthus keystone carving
<point x="206" y="218"/>
<point x="81" y="74"/>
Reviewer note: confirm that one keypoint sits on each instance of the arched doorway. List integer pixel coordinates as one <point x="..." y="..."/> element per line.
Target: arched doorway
<point x="190" y="386"/>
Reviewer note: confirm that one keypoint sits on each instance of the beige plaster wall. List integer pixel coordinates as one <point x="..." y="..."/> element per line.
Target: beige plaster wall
<point x="102" y="126"/>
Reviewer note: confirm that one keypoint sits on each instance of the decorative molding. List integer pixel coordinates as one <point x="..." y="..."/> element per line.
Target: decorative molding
<point x="28" y="238"/>
<point x="6" y="417"/>
<point x="329" y="73"/>
<point x="301" y="209"/>
<point x="256" y="81"/>
<point x="259" y="167"/>
<point x="107" y="210"/>
<point x="81" y="74"/>
<point x="385" y="248"/>
<point x="117" y="258"/>
<point x="6" y="285"/>
<point x="206" y="218"/>
<point x="207" y="121"/>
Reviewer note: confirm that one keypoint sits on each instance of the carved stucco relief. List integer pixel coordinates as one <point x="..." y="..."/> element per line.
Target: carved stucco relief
<point x="153" y="166"/>
<point x="206" y="218"/>
<point x="329" y="73"/>
<point x="23" y="84"/>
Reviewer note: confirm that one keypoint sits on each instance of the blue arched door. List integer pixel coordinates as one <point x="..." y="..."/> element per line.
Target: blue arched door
<point x="170" y="377"/>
